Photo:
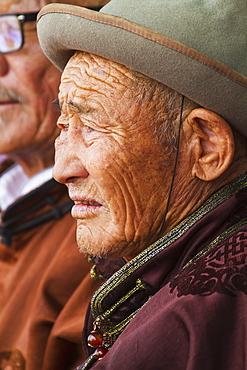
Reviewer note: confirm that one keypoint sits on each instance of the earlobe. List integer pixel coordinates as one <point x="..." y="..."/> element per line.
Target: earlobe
<point x="212" y="144"/>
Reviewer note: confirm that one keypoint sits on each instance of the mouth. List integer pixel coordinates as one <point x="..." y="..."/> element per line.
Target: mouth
<point x="87" y="203"/>
<point x="85" y="208"/>
<point x="8" y="103"/>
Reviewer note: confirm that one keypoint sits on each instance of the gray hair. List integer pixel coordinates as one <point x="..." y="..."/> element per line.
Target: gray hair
<point x="165" y="104"/>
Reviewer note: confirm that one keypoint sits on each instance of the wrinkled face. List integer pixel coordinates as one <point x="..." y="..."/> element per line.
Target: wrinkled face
<point x="28" y="86"/>
<point x="108" y="157"/>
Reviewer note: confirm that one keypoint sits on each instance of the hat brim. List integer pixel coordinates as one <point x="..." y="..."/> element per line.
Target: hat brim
<point x="64" y="29"/>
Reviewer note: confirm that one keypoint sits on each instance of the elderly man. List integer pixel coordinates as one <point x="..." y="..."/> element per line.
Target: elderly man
<point x="153" y="151"/>
<point x="42" y="277"/>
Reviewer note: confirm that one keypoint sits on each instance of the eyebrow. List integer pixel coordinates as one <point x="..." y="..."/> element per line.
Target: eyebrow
<point x="82" y="107"/>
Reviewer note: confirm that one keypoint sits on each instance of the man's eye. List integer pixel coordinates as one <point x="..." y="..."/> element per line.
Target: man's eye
<point x="56" y="106"/>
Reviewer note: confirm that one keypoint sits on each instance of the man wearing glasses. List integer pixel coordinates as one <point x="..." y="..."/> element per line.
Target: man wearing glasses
<point x="42" y="277"/>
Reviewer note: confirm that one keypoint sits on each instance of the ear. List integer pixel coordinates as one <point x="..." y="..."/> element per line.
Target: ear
<point x="212" y="144"/>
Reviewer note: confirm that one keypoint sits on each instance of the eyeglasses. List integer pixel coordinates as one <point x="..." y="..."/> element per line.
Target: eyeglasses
<point x="11" y="30"/>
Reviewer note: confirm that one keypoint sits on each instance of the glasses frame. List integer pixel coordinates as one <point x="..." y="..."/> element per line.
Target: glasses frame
<point x="22" y="18"/>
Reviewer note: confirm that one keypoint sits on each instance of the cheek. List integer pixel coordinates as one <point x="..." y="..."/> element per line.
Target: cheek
<point x="39" y="78"/>
<point x="119" y="181"/>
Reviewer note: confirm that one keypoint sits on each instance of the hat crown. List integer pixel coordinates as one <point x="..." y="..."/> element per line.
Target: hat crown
<point x="216" y="28"/>
<point x="196" y="47"/>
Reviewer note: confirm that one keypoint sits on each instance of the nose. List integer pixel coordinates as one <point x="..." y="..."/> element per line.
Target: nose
<point x="68" y="166"/>
<point x="3" y="65"/>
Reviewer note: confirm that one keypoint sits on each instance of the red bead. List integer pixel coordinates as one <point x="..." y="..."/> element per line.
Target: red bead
<point x="100" y="352"/>
<point x="94" y="339"/>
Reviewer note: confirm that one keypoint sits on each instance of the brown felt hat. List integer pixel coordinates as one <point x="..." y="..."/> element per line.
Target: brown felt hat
<point x="198" y="48"/>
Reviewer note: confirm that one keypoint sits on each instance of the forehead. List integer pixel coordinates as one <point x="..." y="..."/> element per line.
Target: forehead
<point x="83" y="69"/>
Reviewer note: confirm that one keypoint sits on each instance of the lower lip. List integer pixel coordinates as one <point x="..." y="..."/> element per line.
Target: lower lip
<point x="82" y="211"/>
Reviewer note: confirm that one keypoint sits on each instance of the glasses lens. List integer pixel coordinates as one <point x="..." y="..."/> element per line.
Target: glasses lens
<point x="10" y="34"/>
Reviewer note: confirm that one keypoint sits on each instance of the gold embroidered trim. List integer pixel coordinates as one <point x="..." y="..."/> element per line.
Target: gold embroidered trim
<point x="110" y="336"/>
<point x="139" y="285"/>
<point x="220" y="238"/>
<point x="110" y="330"/>
<point x="94" y="275"/>
<point x="88" y="363"/>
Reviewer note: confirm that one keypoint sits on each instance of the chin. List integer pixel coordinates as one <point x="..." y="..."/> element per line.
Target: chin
<point x="99" y="248"/>
<point x="90" y="251"/>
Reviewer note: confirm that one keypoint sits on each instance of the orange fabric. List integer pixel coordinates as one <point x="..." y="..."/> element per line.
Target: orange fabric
<point x="45" y="288"/>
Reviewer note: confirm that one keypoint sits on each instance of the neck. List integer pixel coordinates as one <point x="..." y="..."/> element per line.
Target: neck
<point x="185" y="199"/>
